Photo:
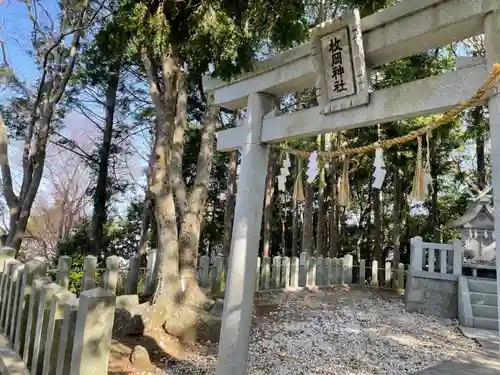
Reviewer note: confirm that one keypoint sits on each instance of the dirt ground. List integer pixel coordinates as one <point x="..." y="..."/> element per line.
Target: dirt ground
<point x="265" y="305"/>
<point x="351" y="318"/>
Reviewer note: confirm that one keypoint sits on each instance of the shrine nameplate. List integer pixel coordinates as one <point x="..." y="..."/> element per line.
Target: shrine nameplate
<point x="342" y="80"/>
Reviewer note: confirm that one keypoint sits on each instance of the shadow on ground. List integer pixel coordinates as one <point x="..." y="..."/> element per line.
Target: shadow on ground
<point x="482" y="361"/>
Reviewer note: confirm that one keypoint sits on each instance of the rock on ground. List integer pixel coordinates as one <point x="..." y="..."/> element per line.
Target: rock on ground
<point x="140" y="359"/>
<point x="339" y="332"/>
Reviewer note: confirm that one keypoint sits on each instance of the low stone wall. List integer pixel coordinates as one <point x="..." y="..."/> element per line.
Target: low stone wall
<point x="432" y="293"/>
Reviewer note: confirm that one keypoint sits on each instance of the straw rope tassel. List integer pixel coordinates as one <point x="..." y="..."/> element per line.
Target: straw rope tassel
<point x="344" y="193"/>
<point x="419" y="189"/>
<point x="298" y="189"/>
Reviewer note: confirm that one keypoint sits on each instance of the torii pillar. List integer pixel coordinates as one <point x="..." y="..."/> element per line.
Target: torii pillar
<point x="492" y="46"/>
<point x="240" y="285"/>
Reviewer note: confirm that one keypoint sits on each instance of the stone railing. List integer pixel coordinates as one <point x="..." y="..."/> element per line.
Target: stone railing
<point x="47" y="330"/>
<point x="306" y="271"/>
<point x="432" y="286"/>
<point x="436" y="257"/>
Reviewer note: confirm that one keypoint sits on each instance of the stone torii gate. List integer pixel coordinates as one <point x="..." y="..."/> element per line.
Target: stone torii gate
<point x="334" y="62"/>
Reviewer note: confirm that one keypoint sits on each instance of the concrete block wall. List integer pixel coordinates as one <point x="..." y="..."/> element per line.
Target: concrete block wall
<point x="432" y="293"/>
<point x="47" y="330"/>
<point x="432" y="286"/>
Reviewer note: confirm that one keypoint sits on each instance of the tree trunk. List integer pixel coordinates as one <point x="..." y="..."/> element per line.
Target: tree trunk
<point x="21" y="210"/>
<point x="101" y="196"/>
<point x="230" y="205"/>
<point x="320" y="231"/>
<point x="268" y="209"/>
<point x="435" y="186"/>
<point x="377" y="226"/>
<point x="147" y="211"/>
<point x="396" y="218"/>
<point x="284" y="251"/>
<point x="195" y="209"/>
<point x="295" y="215"/>
<point x="164" y="93"/>
<point x="480" y="130"/>
<point x="307" y="229"/>
<point x="295" y="228"/>
<point x="334" y="207"/>
<point x="51" y="87"/>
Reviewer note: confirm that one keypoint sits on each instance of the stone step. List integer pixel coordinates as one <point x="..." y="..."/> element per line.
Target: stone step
<point x="488" y="299"/>
<point x="485" y="323"/>
<point x="484" y="311"/>
<point x="482" y="286"/>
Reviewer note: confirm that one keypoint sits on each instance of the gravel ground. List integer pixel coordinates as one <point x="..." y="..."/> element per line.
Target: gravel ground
<point x="340" y="331"/>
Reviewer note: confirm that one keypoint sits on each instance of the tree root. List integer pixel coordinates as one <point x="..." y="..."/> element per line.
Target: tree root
<point x="180" y="319"/>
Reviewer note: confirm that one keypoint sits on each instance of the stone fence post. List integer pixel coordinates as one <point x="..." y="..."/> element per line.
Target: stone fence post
<point x="311" y="272"/>
<point x="204" y="271"/>
<point x="416" y="247"/>
<point x="294" y="272"/>
<point x="89" y="268"/>
<point x="32" y="269"/>
<point x="374" y="281"/>
<point x="304" y="260"/>
<point x="93" y="328"/>
<point x="63" y="271"/>
<point x="54" y="323"/>
<point x="6" y="288"/>
<point x="47" y="292"/>
<point x="265" y="275"/>
<point x="67" y="336"/>
<point x="348" y="261"/>
<point x="457" y="257"/>
<point x="218" y="275"/>
<point x="111" y="277"/>
<point x="151" y="272"/>
<point x="11" y="298"/>
<point x="285" y="273"/>
<point x="276" y="272"/>
<point x="134" y="269"/>
<point x="362" y="272"/>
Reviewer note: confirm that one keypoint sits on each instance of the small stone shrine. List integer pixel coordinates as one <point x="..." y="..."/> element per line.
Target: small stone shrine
<point x="477" y="229"/>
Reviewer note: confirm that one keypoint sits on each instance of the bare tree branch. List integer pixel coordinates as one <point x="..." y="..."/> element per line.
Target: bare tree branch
<point x="83" y="111"/>
<point x="34" y="20"/>
<point x="13" y="78"/>
<point x="79" y="150"/>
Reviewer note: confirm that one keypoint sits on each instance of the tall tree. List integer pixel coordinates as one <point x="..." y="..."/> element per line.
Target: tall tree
<point x="268" y="201"/>
<point x="230" y="204"/>
<point x="169" y="38"/>
<point x="56" y="60"/>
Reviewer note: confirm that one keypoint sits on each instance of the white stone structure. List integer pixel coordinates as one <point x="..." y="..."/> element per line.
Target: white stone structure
<point x="408" y="28"/>
<point x="476" y="228"/>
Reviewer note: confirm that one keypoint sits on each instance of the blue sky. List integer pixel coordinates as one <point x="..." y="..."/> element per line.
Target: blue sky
<point x="15" y="30"/>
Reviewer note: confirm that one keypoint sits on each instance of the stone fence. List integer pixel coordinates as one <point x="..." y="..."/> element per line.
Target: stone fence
<point x="306" y="271"/>
<point x="47" y="330"/>
<point x="437" y="257"/>
<point x="432" y="286"/>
